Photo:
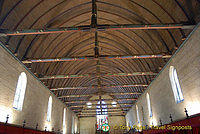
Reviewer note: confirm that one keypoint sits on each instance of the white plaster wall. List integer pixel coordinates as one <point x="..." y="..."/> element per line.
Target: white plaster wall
<point x="187" y="63"/>
<point x="35" y="101"/>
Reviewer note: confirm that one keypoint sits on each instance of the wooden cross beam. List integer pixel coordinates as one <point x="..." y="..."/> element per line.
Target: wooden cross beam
<point x="101" y="57"/>
<point x="92" y="111"/>
<point x="83" y="108"/>
<point x="84" y="116"/>
<point x="95" y="75"/>
<point x="84" y="101"/>
<point x="106" y="86"/>
<point x="89" y="28"/>
<point x="109" y="114"/>
<point x="80" y="106"/>
<point x="103" y="104"/>
<point x="88" y="95"/>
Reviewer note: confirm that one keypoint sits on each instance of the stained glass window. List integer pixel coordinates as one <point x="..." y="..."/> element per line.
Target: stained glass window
<point x="102" y="116"/>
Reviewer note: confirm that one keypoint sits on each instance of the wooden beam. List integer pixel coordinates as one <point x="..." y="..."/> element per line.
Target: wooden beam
<point x="87" y="95"/>
<point x="96" y="86"/>
<point x="109" y="104"/>
<point x="106" y="100"/>
<point x="130" y="104"/>
<point x="85" y="116"/>
<point x="97" y="28"/>
<point x="83" y="108"/>
<point x="102" y="57"/>
<point x="94" y="111"/>
<point x="69" y="76"/>
<point x="109" y="114"/>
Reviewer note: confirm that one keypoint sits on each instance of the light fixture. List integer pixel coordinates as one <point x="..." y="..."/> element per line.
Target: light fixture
<point x="114" y="103"/>
<point x="89" y="105"/>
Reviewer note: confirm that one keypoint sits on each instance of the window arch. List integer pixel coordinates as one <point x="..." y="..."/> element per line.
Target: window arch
<point x="149" y="105"/>
<point x="138" y="117"/>
<point x="178" y="95"/>
<point x="20" y="92"/>
<point x="102" y="117"/>
<point x="49" y="109"/>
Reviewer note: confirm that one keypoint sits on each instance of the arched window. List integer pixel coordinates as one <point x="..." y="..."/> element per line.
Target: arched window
<point x="102" y="117"/>
<point x="178" y="95"/>
<point x="138" y="117"/>
<point x="20" y="92"/>
<point x="149" y="105"/>
<point x="49" y="109"/>
<point x="64" y="118"/>
<point x="73" y="126"/>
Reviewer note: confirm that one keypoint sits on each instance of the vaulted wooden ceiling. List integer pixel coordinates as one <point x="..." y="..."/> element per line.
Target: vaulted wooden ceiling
<point x="118" y="59"/>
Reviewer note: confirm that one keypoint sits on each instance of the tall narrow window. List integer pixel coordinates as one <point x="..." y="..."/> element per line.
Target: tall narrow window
<point x="64" y="117"/>
<point x="20" y="92"/>
<point x="102" y="117"/>
<point x="178" y="95"/>
<point x="49" y="109"/>
<point x="149" y="105"/>
<point x="72" y="124"/>
<point x="75" y="125"/>
<point x="138" y="117"/>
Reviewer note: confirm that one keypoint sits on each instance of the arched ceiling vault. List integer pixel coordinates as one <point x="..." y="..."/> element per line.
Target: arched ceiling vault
<point x="100" y="71"/>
